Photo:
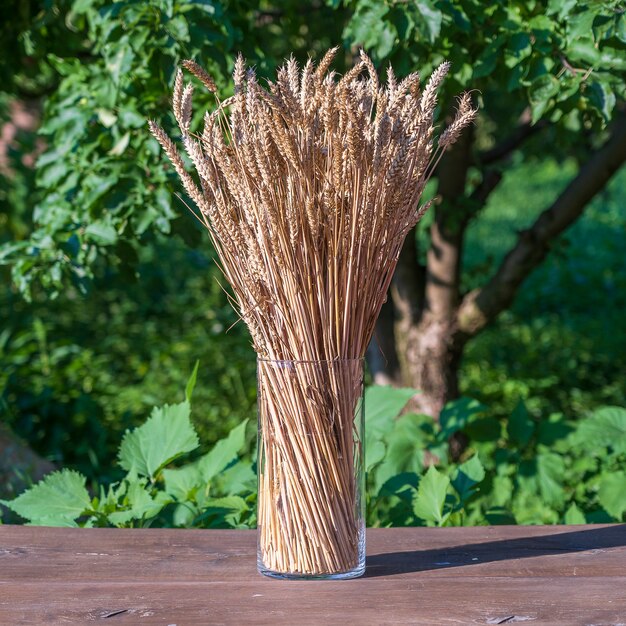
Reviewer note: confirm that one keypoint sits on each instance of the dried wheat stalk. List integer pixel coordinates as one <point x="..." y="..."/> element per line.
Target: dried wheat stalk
<point x="308" y="189"/>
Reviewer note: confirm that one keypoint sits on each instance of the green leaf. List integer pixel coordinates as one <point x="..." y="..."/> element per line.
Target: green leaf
<point x="166" y="435"/>
<point x="583" y="50"/>
<point x="520" y="426"/>
<point x="456" y="415"/>
<point x="612" y="494"/>
<point x="517" y="49"/>
<point x="579" y="25"/>
<point x="182" y="482"/>
<point x="101" y="233"/>
<point x="367" y="24"/>
<point x="120" y="145"/>
<point x="467" y="476"/>
<point x="540" y="91"/>
<point x="59" y="498"/>
<point x="374" y="453"/>
<point x="574" y="515"/>
<point x="140" y="503"/>
<point x="542" y="88"/>
<point x="119" y="61"/>
<point x="106" y="117"/>
<point x="550" y="475"/>
<point x="498" y="515"/>
<point x="431" y="18"/>
<point x="405" y="447"/>
<point x="237" y="478"/>
<point x="222" y="512"/>
<point x="382" y="405"/>
<point x="602" y="98"/>
<point x="224" y="453"/>
<point x="403" y="482"/>
<point x="562" y="7"/>
<point x="605" y="428"/>
<point x="431" y="496"/>
<point x="191" y="383"/>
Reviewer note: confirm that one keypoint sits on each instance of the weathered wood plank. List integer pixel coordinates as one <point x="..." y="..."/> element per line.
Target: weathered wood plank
<point x="157" y="554"/>
<point x="449" y="600"/>
<point x="545" y="575"/>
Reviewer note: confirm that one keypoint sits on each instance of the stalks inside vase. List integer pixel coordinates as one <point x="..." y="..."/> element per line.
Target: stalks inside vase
<point x="310" y="513"/>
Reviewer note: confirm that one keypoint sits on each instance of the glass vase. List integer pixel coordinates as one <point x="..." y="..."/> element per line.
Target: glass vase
<point x="311" y="469"/>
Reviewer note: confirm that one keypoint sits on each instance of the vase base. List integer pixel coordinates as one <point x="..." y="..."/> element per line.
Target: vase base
<point x="359" y="570"/>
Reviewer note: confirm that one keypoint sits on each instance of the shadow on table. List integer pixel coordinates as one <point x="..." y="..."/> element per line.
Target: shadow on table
<point x="391" y="563"/>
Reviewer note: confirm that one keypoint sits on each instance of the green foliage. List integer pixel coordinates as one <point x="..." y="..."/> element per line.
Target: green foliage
<point x="151" y="493"/>
<point x="552" y="473"/>
<point x="103" y="188"/>
<point x="517" y="469"/>
<point x="167" y="434"/>
<point x="564" y="60"/>
<point x="56" y="501"/>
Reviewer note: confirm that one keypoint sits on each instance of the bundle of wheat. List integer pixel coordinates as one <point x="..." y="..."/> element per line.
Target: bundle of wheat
<point x="308" y="189"/>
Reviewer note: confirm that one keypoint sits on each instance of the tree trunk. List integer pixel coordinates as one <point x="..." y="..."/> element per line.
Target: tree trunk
<point x="432" y="320"/>
<point x="432" y="362"/>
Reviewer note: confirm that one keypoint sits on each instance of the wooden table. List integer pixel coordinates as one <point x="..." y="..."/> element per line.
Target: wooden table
<point x="566" y="575"/>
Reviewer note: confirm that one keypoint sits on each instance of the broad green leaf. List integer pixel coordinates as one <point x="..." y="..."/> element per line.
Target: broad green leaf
<point x="579" y="25"/>
<point x="166" y="435"/>
<point x="550" y="476"/>
<point x="431" y="18"/>
<point x="222" y="512"/>
<point x="374" y="453"/>
<point x="382" y="405"/>
<point x="606" y="427"/>
<point x="498" y="516"/>
<point x="367" y="24"/>
<point x="467" y="476"/>
<point x="119" y="60"/>
<point x="542" y="88"/>
<point x="224" y="453"/>
<point x="602" y="97"/>
<point x="583" y="51"/>
<point x="431" y="496"/>
<point x="517" y="49"/>
<point x="101" y="233"/>
<point x="574" y="515"/>
<point x="520" y="426"/>
<point x="501" y="491"/>
<point x="405" y="447"/>
<point x="612" y="494"/>
<point x="404" y="482"/>
<point x="182" y="482"/>
<point x="456" y="414"/>
<point x="237" y="478"/>
<point x="58" y="498"/>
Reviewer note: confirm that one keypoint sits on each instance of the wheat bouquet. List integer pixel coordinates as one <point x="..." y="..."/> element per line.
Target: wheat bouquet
<point x="308" y="188"/>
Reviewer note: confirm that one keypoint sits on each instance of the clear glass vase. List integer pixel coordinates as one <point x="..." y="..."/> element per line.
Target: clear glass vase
<point x="311" y="469"/>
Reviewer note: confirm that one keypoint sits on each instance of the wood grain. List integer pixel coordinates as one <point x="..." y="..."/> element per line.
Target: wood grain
<point x="486" y="575"/>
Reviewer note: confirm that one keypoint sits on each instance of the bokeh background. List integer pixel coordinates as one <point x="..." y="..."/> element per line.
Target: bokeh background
<point x="109" y="288"/>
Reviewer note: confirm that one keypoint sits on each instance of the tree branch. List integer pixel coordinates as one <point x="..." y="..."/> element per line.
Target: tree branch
<point x="524" y="131"/>
<point x="481" y="306"/>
